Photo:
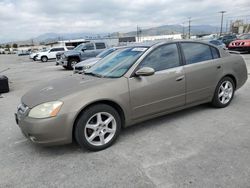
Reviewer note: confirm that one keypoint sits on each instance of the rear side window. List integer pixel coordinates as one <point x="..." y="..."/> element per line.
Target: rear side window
<point x="215" y="53"/>
<point x="57" y="49"/>
<point x="196" y="52"/>
<point x="100" y="45"/>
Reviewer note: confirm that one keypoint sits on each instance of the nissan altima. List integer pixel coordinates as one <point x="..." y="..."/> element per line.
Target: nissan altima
<point x="130" y="85"/>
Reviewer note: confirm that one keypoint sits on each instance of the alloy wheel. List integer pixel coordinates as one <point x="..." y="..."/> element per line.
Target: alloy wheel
<point x="100" y="128"/>
<point x="225" y="92"/>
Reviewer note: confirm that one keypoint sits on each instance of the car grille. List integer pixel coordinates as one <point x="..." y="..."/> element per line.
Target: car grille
<point x="237" y="43"/>
<point x="79" y="68"/>
<point x="58" y="56"/>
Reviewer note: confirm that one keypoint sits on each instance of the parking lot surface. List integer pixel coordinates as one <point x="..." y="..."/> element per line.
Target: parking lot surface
<point x="197" y="147"/>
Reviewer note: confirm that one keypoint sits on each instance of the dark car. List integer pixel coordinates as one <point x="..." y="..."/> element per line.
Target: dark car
<point x="80" y="53"/>
<point x="226" y="39"/>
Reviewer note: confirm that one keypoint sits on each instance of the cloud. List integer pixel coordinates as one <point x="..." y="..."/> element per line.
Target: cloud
<point x="24" y="19"/>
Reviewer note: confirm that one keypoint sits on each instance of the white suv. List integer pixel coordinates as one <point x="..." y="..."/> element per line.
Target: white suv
<point x="50" y="54"/>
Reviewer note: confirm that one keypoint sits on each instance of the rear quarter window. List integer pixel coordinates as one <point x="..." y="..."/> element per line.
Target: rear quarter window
<point x="215" y="53"/>
<point x="100" y="45"/>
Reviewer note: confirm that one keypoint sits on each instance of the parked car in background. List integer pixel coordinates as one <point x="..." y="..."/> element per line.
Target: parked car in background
<point x="34" y="54"/>
<point x="50" y="54"/>
<point x="23" y="53"/>
<point x="88" y="63"/>
<point x="126" y="87"/>
<point x="226" y="39"/>
<point x="242" y="44"/>
<point x="217" y="43"/>
<point x="82" y="52"/>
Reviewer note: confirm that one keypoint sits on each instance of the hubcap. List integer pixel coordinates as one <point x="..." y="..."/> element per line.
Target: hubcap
<point x="73" y="63"/>
<point x="100" y="128"/>
<point x="225" y="92"/>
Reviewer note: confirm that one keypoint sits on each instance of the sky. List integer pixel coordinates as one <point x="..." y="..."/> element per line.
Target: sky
<point x="25" y="19"/>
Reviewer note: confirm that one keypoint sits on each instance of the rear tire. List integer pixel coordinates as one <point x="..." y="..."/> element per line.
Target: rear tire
<point x="98" y="127"/>
<point x="44" y="58"/>
<point x="224" y="93"/>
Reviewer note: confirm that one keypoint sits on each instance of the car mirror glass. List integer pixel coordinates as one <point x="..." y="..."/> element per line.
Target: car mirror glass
<point x="145" y="71"/>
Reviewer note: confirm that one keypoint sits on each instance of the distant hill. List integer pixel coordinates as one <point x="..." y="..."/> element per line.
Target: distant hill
<point x="161" y="30"/>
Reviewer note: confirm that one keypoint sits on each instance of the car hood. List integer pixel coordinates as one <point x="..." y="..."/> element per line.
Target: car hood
<point x="88" y="62"/>
<point x="57" y="89"/>
<point x="71" y="53"/>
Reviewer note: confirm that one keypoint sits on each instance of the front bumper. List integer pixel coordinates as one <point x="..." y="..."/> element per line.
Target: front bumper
<point x="48" y="131"/>
<point x="62" y="62"/>
<point x="240" y="49"/>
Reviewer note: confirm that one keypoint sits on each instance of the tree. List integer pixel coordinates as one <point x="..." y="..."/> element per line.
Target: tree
<point x="14" y="45"/>
<point x="7" y="46"/>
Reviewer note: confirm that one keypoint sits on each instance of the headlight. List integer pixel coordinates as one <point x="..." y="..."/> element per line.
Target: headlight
<point x="86" y="67"/>
<point x="46" y="110"/>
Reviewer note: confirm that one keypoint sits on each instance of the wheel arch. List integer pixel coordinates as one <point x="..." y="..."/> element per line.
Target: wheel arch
<point x="111" y="103"/>
<point x="232" y="77"/>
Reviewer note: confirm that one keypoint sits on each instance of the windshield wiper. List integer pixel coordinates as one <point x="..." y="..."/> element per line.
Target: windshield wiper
<point x="93" y="74"/>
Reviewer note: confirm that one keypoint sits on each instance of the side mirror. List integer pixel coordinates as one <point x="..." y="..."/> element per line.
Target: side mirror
<point x="145" y="71"/>
<point x="84" y="48"/>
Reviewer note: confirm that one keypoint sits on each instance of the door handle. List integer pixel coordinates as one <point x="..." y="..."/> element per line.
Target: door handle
<point x="218" y="67"/>
<point x="180" y="78"/>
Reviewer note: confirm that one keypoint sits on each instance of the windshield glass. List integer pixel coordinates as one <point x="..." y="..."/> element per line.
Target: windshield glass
<point x="105" y="53"/>
<point x="79" y="47"/>
<point x="116" y="64"/>
<point x="242" y="37"/>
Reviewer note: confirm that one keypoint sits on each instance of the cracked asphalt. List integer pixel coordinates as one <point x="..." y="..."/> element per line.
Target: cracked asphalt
<point x="197" y="147"/>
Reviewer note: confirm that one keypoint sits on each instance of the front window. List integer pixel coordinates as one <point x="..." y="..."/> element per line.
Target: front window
<point x="118" y="63"/>
<point x="79" y="47"/>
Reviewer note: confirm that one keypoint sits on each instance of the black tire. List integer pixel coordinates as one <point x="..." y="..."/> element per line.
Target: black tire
<point x="71" y="62"/>
<point x="44" y="58"/>
<point x="216" y="102"/>
<point x="80" y="133"/>
<point x="34" y="59"/>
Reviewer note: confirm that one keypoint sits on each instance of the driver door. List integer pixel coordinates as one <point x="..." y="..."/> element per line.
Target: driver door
<point x="162" y="91"/>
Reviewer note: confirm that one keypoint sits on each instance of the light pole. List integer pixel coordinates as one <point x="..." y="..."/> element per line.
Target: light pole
<point x="222" y="13"/>
<point x="189" y="27"/>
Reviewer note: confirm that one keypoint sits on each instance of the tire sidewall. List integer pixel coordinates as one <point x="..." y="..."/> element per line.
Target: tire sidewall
<point x="82" y="121"/>
<point x="70" y="63"/>
<point x="216" y="102"/>
<point x="44" y="59"/>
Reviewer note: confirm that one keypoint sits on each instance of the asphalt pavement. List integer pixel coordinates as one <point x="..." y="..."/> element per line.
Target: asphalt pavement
<point x="197" y="147"/>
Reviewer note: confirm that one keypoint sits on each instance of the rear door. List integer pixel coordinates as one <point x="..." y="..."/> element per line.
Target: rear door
<point x="162" y="91"/>
<point x="202" y="69"/>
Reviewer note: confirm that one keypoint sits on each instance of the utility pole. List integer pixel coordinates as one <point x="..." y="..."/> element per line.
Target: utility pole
<point x="189" y="27"/>
<point x="221" y="25"/>
<point x="183" y="30"/>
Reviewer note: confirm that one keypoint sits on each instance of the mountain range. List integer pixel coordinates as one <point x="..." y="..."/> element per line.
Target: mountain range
<point x="161" y="30"/>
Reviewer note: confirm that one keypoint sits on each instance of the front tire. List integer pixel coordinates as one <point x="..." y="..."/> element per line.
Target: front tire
<point x="44" y="58"/>
<point x="71" y="63"/>
<point x="98" y="127"/>
<point x="224" y="93"/>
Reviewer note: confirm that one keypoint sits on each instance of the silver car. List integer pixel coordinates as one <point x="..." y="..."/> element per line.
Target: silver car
<point x="130" y="85"/>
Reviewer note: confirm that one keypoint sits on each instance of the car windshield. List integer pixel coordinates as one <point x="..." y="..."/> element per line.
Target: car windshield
<point x="242" y="37"/>
<point x="116" y="64"/>
<point x="105" y="53"/>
